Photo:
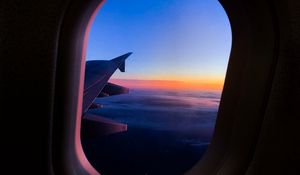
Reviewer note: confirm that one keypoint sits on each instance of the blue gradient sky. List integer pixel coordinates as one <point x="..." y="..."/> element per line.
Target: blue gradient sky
<point x="170" y="39"/>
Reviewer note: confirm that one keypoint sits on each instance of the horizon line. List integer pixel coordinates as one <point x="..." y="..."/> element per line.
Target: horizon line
<point x="167" y="84"/>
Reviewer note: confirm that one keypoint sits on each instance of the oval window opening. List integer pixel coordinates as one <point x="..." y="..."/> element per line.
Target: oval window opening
<point x="158" y="116"/>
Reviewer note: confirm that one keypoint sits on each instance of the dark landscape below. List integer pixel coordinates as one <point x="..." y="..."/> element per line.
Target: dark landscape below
<point x="168" y="132"/>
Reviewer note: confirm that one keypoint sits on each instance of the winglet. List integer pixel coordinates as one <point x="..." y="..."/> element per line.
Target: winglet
<point x="122" y="67"/>
<point x="121" y="61"/>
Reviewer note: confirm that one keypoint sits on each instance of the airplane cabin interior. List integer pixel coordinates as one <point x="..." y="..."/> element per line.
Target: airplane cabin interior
<point x="42" y="46"/>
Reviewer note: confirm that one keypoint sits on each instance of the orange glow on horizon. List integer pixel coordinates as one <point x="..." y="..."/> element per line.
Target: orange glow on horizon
<point x="170" y="84"/>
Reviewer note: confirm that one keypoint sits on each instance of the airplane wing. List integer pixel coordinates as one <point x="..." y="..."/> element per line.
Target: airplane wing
<point x="97" y="74"/>
<point x="95" y="125"/>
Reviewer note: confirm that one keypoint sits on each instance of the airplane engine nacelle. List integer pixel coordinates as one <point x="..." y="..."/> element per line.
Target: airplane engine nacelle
<point x="113" y="89"/>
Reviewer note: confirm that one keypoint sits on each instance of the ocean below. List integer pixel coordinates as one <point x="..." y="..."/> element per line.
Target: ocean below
<point x="168" y="132"/>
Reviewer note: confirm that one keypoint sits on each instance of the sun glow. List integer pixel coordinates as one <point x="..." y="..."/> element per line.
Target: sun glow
<point x="209" y="84"/>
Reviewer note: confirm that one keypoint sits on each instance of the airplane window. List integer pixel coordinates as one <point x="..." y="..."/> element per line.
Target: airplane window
<point x="153" y="83"/>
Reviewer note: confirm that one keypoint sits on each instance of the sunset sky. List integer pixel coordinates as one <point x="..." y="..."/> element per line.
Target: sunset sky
<point x="175" y="43"/>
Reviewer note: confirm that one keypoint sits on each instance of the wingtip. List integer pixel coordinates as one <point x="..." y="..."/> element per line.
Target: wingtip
<point x="121" y="61"/>
<point x="126" y="55"/>
<point x="122" y="57"/>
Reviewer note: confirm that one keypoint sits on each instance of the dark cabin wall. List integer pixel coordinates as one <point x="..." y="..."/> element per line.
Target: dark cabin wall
<point x="41" y="50"/>
<point x="257" y="130"/>
<point x="29" y="32"/>
<point x="278" y="148"/>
